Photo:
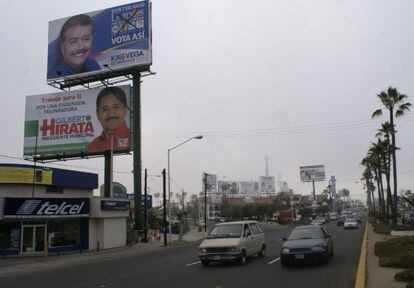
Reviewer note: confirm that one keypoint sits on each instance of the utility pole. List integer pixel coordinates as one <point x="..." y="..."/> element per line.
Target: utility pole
<point x="205" y="203"/>
<point x="145" y="207"/>
<point x="164" y="206"/>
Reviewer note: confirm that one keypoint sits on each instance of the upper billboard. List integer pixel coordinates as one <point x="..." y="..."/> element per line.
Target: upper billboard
<point x="76" y="123"/>
<point x="312" y="173"/>
<point x="100" y="42"/>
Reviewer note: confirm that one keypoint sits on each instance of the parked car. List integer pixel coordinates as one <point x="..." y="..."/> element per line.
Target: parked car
<point x="232" y="242"/>
<point x="351" y="223"/>
<point x="307" y="243"/>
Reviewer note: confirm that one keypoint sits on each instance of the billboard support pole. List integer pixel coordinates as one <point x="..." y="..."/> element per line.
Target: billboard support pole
<point x="109" y="162"/>
<point x="107" y="186"/>
<point x="314" y="195"/>
<point x="136" y="144"/>
<point x="145" y="206"/>
<point x="35" y="161"/>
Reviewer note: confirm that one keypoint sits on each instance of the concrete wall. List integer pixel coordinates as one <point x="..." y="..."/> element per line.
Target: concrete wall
<point x="22" y="190"/>
<point x="109" y="232"/>
<point x="106" y="227"/>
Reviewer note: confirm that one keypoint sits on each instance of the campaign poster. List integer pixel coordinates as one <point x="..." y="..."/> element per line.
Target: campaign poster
<point x="78" y="122"/>
<point x="312" y="173"/>
<point x="228" y="188"/>
<point x="267" y="184"/>
<point x="249" y="188"/>
<point x="210" y="182"/>
<point x="100" y="42"/>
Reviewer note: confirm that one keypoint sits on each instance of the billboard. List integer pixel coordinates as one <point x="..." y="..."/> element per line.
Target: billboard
<point x="79" y="122"/>
<point x="211" y="183"/>
<point x="267" y="184"/>
<point x="25" y="175"/>
<point x="228" y="188"/>
<point x="100" y="42"/>
<point x="249" y="188"/>
<point x="312" y="173"/>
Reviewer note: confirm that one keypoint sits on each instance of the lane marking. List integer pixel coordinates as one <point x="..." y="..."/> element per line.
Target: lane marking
<point x="191" y="264"/>
<point x="273" y="261"/>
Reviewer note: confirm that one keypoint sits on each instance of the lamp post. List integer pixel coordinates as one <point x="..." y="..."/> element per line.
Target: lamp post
<point x="198" y="137"/>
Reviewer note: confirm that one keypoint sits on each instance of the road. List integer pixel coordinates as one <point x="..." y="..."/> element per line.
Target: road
<point x="178" y="266"/>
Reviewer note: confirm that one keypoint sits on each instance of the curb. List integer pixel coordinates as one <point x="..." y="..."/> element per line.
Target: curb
<point x="361" y="271"/>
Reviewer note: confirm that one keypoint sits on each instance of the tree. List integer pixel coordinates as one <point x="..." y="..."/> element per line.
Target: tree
<point x="395" y="104"/>
<point x="385" y="152"/>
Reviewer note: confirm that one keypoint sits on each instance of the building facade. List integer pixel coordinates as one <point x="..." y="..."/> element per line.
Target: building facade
<point x="54" y="209"/>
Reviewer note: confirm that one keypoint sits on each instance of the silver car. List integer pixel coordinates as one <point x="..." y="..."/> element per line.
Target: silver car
<point x="350" y="223"/>
<point x="232" y="242"/>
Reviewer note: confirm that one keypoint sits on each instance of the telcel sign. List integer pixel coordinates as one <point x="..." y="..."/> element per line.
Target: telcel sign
<point x="46" y="207"/>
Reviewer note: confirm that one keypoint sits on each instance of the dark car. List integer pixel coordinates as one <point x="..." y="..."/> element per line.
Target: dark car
<point x="307" y="243"/>
<point x="341" y="221"/>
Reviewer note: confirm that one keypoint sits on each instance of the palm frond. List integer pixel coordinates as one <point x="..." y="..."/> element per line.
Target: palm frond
<point x="376" y="113"/>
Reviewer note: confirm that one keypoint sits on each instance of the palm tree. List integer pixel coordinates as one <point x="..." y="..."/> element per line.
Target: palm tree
<point x="383" y="150"/>
<point x="367" y="177"/>
<point x="374" y="154"/>
<point x="386" y="152"/>
<point x="395" y="103"/>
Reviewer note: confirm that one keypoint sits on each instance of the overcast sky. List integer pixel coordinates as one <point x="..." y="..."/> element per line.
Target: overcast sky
<point x="294" y="80"/>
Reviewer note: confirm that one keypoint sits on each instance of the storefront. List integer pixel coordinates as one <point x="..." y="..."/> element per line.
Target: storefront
<point x="55" y="209"/>
<point x="32" y="224"/>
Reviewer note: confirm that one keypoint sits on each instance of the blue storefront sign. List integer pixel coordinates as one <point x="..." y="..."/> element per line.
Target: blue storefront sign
<point x="149" y="200"/>
<point x="108" y="205"/>
<point x="44" y="208"/>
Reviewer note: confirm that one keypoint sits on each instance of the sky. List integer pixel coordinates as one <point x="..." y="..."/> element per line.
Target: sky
<point x="294" y="80"/>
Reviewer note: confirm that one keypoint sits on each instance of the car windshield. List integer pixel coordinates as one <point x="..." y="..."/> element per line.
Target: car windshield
<point x="306" y="233"/>
<point x="350" y="220"/>
<point x="226" y="231"/>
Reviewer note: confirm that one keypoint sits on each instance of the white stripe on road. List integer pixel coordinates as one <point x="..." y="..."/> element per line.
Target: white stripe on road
<point x="191" y="264"/>
<point x="273" y="261"/>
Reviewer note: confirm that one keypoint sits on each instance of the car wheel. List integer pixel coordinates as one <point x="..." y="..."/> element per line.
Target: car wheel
<point x="262" y="252"/>
<point x="332" y="252"/>
<point x="205" y="263"/>
<point x="243" y="257"/>
<point x="283" y="262"/>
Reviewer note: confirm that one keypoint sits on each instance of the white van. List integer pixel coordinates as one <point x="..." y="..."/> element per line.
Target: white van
<point x="232" y="242"/>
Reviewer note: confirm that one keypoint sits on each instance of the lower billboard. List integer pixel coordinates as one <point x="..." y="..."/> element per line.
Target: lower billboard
<point x="78" y="122"/>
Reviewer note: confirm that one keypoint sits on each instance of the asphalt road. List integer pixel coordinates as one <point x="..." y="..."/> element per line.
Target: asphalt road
<point x="178" y="266"/>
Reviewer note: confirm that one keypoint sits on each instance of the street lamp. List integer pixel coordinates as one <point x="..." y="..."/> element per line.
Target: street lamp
<point x="198" y="137"/>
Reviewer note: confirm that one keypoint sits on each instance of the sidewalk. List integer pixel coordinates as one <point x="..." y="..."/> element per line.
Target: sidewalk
<point x="376" y="276"/>
<point x="24" y="263"/>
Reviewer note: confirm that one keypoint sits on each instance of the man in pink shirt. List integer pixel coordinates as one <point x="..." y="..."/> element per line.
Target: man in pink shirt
<point x="111" y="109"/>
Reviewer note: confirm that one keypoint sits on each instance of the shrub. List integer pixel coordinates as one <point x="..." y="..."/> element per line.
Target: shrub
<point x="410" y="284"/>
<point x="395" y="246"/>
<point x="382" y="228"/>
<point x="401" y="260"/>
<point x="405" y="276"/>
